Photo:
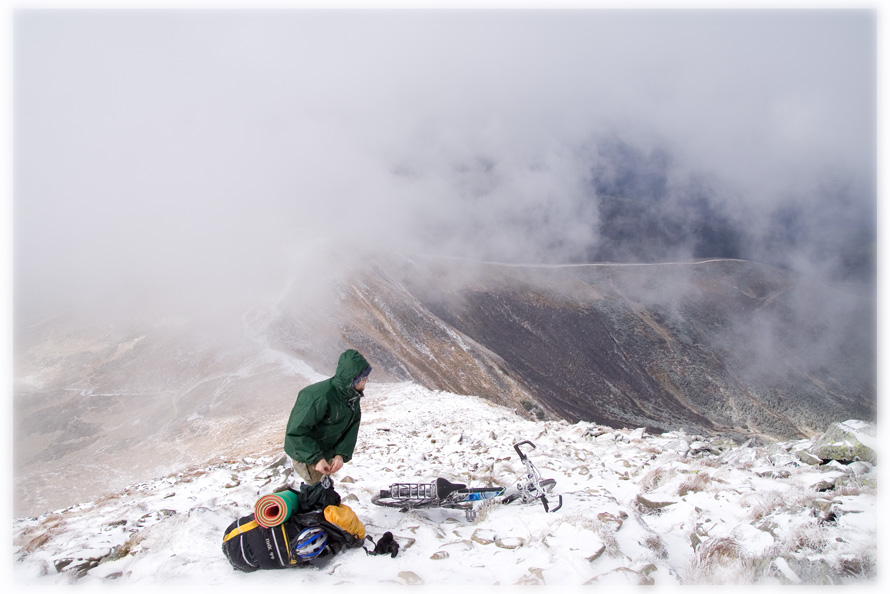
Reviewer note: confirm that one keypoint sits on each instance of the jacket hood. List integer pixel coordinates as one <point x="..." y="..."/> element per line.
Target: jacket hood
<point x="350" y="365"/>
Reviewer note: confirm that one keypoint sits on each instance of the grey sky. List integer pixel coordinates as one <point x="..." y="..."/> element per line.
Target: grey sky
<point x="200" y="154"/>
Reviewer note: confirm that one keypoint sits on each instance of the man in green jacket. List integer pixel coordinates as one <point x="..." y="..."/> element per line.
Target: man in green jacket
<point x="323" y="425"/>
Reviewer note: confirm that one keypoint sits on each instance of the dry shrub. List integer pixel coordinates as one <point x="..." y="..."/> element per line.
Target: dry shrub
<point x="655" y="544"/>
<point x="483" y="509"/>
<point x="656" y="478"/>
<point x="862" y="566"/>
<point x="695" y="483"/>
<point x="721" y="560"/>
<point x="766" y="503"/>
<point x="808" y="537"/>
<point x="719" y="550"/>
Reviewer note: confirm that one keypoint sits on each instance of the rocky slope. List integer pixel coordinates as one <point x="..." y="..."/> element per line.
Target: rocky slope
<point x="669" y="509"/>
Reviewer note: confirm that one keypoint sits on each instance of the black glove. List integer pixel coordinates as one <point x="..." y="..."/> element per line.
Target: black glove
<point x="387" y="545"/>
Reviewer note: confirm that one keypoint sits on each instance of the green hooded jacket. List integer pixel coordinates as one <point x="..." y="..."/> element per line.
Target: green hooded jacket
<point x="325" y="418"/>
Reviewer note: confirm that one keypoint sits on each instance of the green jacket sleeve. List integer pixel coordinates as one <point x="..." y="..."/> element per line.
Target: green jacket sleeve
<point x="346" y="446"/>
<point x="298" y="443"/>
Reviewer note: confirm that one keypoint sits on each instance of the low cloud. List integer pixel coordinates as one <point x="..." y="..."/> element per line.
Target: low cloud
<point x="181" y="159"/>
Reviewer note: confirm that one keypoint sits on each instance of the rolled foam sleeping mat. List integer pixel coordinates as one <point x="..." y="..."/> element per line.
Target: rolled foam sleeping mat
<point x="272" y="510"/>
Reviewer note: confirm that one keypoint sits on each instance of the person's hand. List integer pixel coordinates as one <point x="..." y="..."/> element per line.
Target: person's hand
<point x="336" y="464"/>
<point x="323" y="467"/>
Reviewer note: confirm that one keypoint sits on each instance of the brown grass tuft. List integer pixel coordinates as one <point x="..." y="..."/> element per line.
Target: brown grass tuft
<point x="695" y="483"/>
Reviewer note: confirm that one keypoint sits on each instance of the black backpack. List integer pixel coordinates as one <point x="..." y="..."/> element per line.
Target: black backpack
<point x="249" y="546"/>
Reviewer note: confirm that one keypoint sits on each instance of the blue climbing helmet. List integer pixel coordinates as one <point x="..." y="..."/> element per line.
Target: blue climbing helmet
<point x="310" y="543"/>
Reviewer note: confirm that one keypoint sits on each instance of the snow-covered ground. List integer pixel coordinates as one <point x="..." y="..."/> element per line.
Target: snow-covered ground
<point x="669" y="510"/>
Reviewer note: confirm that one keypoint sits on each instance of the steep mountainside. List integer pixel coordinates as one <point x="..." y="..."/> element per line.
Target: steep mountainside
<point x="717" y="346"/>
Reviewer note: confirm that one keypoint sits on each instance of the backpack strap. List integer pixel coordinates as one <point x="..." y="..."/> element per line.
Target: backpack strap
<point x="241" y="529"/>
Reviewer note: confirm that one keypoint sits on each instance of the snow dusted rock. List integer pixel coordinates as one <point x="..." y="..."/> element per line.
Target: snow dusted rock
<point x="410" y="577"/>
<point x="653" y="503"/>
<point x="612" y="520"/>
<point x="787" y="574"/>
<point x="484" y="536"/>
<point x="744" y="454"/>
<point x="860" y="468"/>
<point x="849" y="441"/>
<point x="702" y="448"/>
<point x="807" y="457"/>
<point x="778" y="455"/>
<point x="637" y="434"/>
<point x="510" y="542"/>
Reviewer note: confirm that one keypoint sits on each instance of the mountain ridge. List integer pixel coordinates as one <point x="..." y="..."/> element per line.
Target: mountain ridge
<point x="718" y="347"/>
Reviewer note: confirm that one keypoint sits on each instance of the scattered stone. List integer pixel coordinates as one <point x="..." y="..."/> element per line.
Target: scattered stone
<point x="597" y="554"/>
<point x="484" y="536"/>
<point x="651" y="567"/>
<point x="610" y="519"/>
<point x="774" y="474"/>
<point x="779" y="455"/>
<point x="538" y="573"/>
<point x="347" y="479"/>
<point x="622" y="575"/>
<point x="528" y="580"/>
<point x="439" y="555"/>
<point x="650" y="504"/>
<point x="78" y="570"/>
<point x="784" y="571"/>
<point x="859" y="468"/>
<point x="510" y="542"/>
<point x="808" y="458"/>
<point x="410" y="577"/>
<point x="825" y="485"/>
<point x="118" y="552"/>
<point x="769" y="527"/>
<point x="820" y="504"/>
<point x="637" y="434"/>
<point x="61" y="564"/>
